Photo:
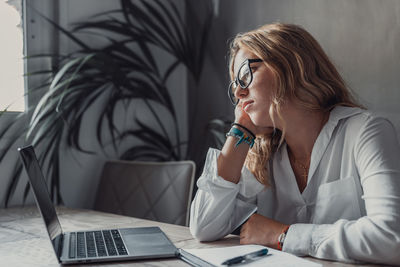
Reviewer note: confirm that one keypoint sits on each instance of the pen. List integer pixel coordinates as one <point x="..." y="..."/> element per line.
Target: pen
<point x="246" y="257"/>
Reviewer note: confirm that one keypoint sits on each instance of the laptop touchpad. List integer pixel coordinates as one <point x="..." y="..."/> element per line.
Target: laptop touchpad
<point x="148" y="243"/>
<point x="146" y="240"/>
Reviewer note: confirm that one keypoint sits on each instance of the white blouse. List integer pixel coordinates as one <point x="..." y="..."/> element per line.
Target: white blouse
<point x="349" y="210"/>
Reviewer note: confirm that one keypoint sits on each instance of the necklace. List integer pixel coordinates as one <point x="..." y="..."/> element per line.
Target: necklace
<point x="304" y="167"/>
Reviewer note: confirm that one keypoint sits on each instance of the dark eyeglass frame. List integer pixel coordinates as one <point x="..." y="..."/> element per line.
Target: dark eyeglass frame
<point x="240" y="83"/>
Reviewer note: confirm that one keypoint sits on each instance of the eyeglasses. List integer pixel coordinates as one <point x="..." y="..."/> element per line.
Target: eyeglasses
<point x="243" y="79"/>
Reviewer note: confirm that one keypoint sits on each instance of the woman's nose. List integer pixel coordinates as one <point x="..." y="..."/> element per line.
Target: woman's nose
<point x="240" y="92"/>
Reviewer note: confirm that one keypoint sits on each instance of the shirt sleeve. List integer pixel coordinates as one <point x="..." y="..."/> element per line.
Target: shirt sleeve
<point x="376" y="236"/>
<point x="220" y="206"/>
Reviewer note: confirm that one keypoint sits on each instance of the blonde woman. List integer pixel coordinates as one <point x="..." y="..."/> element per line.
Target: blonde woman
<point x="321" y="172"/>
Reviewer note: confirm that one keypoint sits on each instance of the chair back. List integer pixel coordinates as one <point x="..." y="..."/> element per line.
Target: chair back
<point x="160" y="191"/>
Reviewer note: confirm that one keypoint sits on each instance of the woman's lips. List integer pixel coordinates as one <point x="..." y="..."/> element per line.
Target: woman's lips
<point x="246" y="105"/>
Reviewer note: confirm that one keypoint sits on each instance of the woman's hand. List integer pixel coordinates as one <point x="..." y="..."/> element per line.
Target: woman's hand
<point x="261" y="230"/>
<point x="243" y="118"/>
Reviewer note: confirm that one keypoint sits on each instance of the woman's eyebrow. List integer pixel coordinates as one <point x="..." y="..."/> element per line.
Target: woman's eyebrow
<point x="255" y="64"/>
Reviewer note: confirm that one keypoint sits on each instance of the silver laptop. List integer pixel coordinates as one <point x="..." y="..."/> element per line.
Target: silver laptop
<point x="95" y="245"/>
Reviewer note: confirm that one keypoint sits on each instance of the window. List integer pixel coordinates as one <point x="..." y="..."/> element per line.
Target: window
<point x="11" y="56"/>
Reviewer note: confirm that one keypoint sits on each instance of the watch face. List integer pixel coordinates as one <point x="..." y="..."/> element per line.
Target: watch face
<point x="281" y="238"/>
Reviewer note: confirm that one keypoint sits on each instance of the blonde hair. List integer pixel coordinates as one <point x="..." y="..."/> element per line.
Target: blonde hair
<point x="302" y="72"/>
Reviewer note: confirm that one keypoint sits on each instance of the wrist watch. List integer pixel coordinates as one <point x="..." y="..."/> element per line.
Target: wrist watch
<point x="281" y="238"/>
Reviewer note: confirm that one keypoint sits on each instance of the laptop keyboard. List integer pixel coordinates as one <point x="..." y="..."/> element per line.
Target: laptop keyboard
<point x="96" y="244"/>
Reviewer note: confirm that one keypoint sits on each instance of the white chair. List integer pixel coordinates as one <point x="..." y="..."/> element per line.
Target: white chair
<point x="160" y="191"/>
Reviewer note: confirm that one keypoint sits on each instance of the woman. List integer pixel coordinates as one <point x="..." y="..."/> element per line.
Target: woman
<point x="322" y="172"/>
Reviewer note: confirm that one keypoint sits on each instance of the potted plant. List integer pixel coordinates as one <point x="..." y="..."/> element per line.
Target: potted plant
<point x="120" y="72"/>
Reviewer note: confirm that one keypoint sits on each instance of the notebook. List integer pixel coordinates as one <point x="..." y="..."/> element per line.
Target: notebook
<point x="208" y="257"/>
<point x="93" y="246"/>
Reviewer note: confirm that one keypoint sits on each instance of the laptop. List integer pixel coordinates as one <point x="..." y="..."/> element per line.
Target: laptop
<point x="94" y="245"/>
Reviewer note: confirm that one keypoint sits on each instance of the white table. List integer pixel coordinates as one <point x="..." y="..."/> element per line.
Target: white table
<point x="24" y="241"/>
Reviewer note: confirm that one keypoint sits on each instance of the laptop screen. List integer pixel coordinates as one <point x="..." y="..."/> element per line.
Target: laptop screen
<point x="42" y="196"/>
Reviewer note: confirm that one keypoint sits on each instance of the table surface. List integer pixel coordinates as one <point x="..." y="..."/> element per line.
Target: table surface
<point x="24" y="241"/>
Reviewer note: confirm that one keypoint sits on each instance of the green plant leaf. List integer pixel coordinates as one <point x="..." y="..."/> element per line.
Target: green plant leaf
<point x="13" y="183"/>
